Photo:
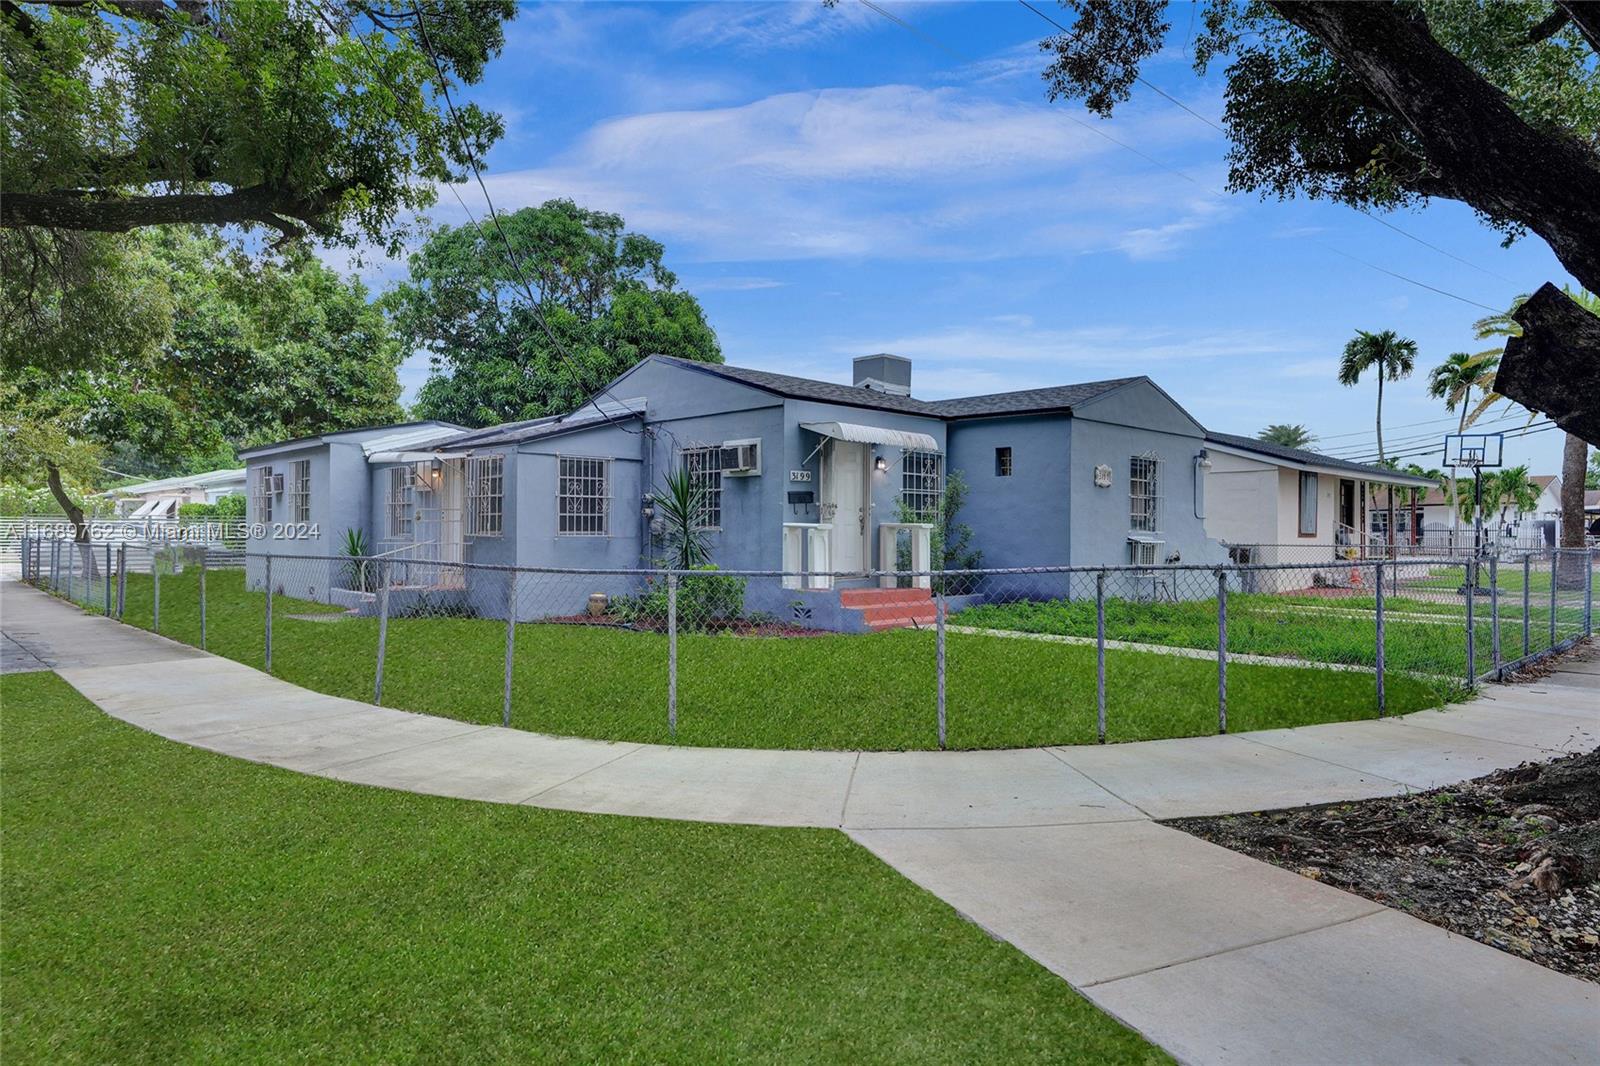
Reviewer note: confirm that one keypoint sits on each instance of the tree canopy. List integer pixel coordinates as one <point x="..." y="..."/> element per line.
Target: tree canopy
<point x="605" y="299"/>
<point x="207" y="350"/>
<point x="318" y="117"/>
<point x="1385" y="104"/>
<point x="1287" y="435"/>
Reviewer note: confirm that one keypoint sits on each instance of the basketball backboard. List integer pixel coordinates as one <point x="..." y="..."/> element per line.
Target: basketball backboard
<point x="1475" y="451"/>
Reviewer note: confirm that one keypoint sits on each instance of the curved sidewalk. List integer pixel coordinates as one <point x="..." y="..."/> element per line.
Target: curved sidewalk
<point x="1216" y="956"/>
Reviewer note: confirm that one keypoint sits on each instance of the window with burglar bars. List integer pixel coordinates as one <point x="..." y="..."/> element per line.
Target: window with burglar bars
<point x="1144" y="493"/>
<point x="399" y="501"/>
<point x="300" y="491"/>
<point x="263" y="494"/>
<point x="486" y="479"/>
<point x="583" y="502"/>
<point x="704" y="466"/>
<point x="920" y="484"/>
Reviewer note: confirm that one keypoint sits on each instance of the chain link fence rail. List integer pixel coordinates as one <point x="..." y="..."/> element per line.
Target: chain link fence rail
<point x="878" y="659"/>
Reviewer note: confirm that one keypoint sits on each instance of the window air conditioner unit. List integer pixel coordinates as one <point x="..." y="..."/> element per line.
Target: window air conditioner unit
<point x="277" y="483"/>
<point x="741" y="459"/>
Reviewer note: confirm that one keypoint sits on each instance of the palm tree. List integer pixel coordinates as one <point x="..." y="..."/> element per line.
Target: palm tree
<point x="1512" y="489"/>
<point x="1289" y="436"/>
<point x="1453" y="381"/>
<point x="1391" y="356"/>
<point x="681" y="503"/>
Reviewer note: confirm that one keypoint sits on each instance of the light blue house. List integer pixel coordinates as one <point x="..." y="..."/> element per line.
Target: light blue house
<point x="807" y="477"/>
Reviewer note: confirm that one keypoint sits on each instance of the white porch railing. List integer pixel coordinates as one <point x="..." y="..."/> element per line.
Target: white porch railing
<point x="806" y="561"/>
<point x="921" y="552"/>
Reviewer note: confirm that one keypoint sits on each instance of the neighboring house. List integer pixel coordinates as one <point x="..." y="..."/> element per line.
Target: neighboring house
<point x="1274" y="504"/>
<point x="1522" y="528"/>
<point x="1591" y="512"/>
<point x="797" y="476"/>
<point x="160" y="500"/>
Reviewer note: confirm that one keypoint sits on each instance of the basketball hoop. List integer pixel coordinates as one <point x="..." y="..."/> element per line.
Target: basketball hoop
<point x="1476" y="452"/>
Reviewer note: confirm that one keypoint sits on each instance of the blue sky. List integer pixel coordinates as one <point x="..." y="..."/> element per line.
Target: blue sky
<point x="830" y="183"/>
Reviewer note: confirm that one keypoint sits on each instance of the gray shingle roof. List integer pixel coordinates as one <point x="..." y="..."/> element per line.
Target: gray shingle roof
<point x="1056" y="398"/>
<point x="1307" y="458"/>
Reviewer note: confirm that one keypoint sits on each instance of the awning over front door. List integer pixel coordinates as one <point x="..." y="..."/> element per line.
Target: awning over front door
<point x="899" y="438"/>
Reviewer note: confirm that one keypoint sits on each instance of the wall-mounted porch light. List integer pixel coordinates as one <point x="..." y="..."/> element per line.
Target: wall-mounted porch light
<point x="880" y="464"/>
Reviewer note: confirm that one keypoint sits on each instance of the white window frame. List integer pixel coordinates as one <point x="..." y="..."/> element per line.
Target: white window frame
<point x="583" y="496"/>
<point x="262" y="497"/>
<point x="1144" y="493"/>
<point x="704" y="466"/>
<point x="486" y="495"/>
<point x="922" y="483"/>
<point x="1308" y="478"/>
<point x="399" y="502"/>
<point x="300" y="490"/>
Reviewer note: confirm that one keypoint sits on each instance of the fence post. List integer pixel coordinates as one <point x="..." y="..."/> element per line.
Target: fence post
<point x="1100" y="656"/>
<point x="72" y="558"/>
<point x="383" y="630"/>
<point x="1588" y="592"/>
<point x="1379" y="657"/>
<point x="1555" y="570"/>
<point x="672" y="655"/>
<point x="1471" y="586"/>
<point x="939" y="609"/>
<point x="55" y="564"/>
<point x="155" y="573"/>
<point x="1494" y="612"/>
<point x="1527" y="600"/>
<point x="269" y="615"/>
<point x="107" y="582"/>
<point x="202" y="600"/>
<point x="511" y="631"/>
<point x="1222" y="651"/>
<point x="122" y="578"/>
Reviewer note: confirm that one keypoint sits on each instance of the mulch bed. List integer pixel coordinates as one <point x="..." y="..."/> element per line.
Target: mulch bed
<point x="736" y="627"/>
<point x="1511" y="859"/>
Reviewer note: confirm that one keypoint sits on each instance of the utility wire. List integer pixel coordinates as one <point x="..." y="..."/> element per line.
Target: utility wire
<point x="494" y="216"/>
<point x="1368" y="445"/>
<point x="1173" y="100"/>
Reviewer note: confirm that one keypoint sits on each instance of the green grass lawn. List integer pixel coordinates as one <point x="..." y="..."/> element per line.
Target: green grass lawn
<point x="841" y="692"/>
<point x="164" y="904"/>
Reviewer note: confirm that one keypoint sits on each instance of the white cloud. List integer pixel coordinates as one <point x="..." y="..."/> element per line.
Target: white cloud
<point x="1005" y="353"/>
<point x="764" y="26"/>
<point x="885" y="171"/>
<point x="733" y="284"/>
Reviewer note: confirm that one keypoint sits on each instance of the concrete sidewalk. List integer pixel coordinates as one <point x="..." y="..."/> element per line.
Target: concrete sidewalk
<point x="1214" y="955"/>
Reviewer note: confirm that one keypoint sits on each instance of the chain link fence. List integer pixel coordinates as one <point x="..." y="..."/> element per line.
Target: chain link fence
<point x="880" y="660"/>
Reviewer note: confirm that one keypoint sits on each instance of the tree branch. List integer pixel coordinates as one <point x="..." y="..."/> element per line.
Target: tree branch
<point x="1546" y="27"/>
<point x="1554" y="366"/>
<point x="1495" y="161"/>
<point x="73" y="209"/>
<point x="1586" y="16"/>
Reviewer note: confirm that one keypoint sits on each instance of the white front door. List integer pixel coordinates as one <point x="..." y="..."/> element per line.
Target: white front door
<point x="847" y="482"/>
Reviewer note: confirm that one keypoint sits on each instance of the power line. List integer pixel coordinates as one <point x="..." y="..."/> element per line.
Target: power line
<point x="494" y="216"/>
<point x="1380" y="221"/>
<point x="1368" y="445"/>
<point x="1542" y="427"/>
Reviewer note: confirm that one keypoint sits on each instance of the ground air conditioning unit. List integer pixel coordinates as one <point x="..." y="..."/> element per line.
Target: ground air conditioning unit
<point x="741" y="458"/>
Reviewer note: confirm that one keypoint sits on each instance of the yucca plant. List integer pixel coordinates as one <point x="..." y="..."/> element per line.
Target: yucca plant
<point x="680" y="503"/>
<point x="358" y="572"/>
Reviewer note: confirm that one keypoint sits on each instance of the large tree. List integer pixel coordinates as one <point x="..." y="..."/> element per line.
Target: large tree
<point x="1387" y="104"/>
<point x="579" y="300"/>
<point x="204" y="350"/>
<point x="316" y="117"/>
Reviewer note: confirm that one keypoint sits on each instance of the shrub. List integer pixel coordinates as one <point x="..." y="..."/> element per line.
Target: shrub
<point x="706" y="600"/>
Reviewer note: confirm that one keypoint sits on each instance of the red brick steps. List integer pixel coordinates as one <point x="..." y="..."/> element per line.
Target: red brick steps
<point x="890" y="608"/>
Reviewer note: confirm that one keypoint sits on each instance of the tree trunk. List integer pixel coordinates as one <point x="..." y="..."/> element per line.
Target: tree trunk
<point x="1573" y="570"/>
<point x="1480" y="151"/>
<point x="80" y="527"/>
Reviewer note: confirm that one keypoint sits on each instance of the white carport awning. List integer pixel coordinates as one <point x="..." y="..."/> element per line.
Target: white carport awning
<point x="899" y="438"/>
<point x="160" y="507"/>
<point x="403" y="457"/>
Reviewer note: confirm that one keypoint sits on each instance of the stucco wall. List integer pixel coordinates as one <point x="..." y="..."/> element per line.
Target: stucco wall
<point x="1021" y="520"/>
<point x="1133" y="420"/>
<point x="339" y="501"/>
<point x="1241" y="499"/>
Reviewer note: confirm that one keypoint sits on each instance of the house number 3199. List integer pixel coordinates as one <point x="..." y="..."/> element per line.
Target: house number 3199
<point x="799" y="475"/>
